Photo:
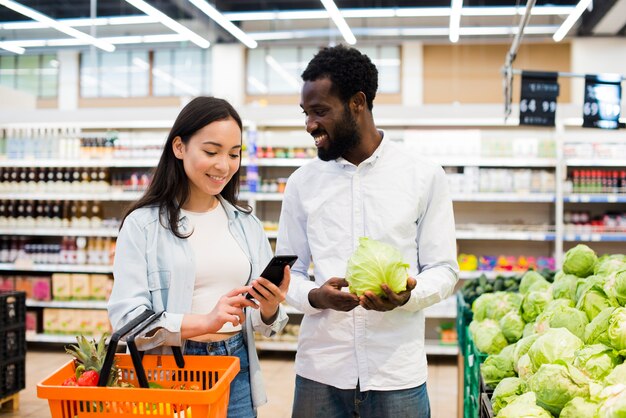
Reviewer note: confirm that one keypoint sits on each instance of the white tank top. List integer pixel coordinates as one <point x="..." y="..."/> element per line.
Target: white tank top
<point x="221" y="264"/>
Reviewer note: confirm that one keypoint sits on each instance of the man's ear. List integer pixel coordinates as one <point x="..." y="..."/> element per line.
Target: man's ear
<point x="358" y="102"/>
<point x="177" y="147"/>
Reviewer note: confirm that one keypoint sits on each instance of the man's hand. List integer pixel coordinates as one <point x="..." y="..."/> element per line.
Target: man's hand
<point x="330" y="296"/>
<point x="391" y="301"/>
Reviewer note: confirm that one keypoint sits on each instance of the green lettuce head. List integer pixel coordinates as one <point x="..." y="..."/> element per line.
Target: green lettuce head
<point x="579" y="408"/>
<point x="534" y="303"/>
<point x="616" y="376"/>
<point x="608" y="264"/>
<point x="553" y="345"/>
<point x="507" y="390"/>
<point x="498" y="366"/>
<point x="512" y="326"/>
<point x="374" y="263"/>
<point x="593" y="301"/>
<point x="557" y="384"/>
<point x="522" y="347"/>
<point x="524" y="406"/>
<point x="615" y="287"/>
<point x="565" y="287"/>
<point x="597" y="330"/>
<point x="580" y="261"/>
<point x="487" y="336"/>
<point x="532" y="280"/>
<point x="617" y="330"/>
<point x="562" y="316"/>
<point x="596" y="360"/>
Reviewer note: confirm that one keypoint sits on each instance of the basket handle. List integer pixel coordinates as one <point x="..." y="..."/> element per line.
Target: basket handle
<point x="137" y="356"/>
<point x="139" y="323"/>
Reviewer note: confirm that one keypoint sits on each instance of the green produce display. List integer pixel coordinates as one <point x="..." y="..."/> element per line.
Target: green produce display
<point x="556" y="343"/>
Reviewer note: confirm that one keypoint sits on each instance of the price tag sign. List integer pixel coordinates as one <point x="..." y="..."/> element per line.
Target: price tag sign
<point x="603" y="94"/>
<point x="538" y="98"/>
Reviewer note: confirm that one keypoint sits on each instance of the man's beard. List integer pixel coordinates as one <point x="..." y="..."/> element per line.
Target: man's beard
<point x="344" y="138"/>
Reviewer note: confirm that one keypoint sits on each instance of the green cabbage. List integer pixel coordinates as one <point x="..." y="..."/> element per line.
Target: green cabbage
<point x="562" y="316"/>
<point x="565" y="287"/>
<point x="534" y="303"/>
<point x="617" y="330"/>
<point x="616" y="376"/>
<point x="374" y="263"/>
<point x="557" y="384"/>
<point x="608" y="264"/>
<point x="481" y="306"/>
<point x="525" y="368"/>
<point x="487" y="336"/>
<point x="593" y="301"/>
<point x="512" y="326"/>
<point x="613" y="402"/>
<point x="615" y="287"/>
<point x="498" y="366"/>
<point x="507" y="390"/>
<point x="534" y="280"/>
<point x="596" y="360"/>
<point x="524" y="406"/>
<point x="596" y="331"/>
<point x="579" y="408"/>
<point x="580" y="261"/>
<point x="553" y="345"/>
<point x="521" y="348"/>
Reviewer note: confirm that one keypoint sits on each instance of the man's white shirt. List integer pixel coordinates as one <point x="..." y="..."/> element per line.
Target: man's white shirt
<point x="396" y="197"/>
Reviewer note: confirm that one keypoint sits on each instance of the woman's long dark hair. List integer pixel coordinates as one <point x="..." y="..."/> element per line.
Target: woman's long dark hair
<point x="169" y="189"/>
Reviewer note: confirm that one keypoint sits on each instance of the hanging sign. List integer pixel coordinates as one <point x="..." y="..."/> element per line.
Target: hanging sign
<point x="603" y="95"/>
<point x="537" y="104"/>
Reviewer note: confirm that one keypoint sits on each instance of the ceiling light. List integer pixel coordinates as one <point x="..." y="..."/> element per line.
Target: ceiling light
<point x="340" y="22"/>
<point x="169" y="22"/>
<point x="12" y="48"/>
<point x="35" y="15"/>
<point x="455" y="20"/>
<point x="134" y="39"/>
<point x="571" y="19"/>
<point x="75" y="23"/>
<point x="219" y="18"/>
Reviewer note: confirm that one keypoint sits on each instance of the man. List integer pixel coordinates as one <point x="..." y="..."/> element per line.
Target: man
<point x="361" y="356"/>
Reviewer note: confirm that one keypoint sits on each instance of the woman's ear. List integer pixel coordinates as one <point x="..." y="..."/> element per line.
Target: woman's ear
<point x="177" y="147"/>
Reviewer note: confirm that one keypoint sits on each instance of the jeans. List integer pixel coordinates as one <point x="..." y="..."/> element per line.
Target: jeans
<point x="240" y="400"/>
<point x="317" y="400"/>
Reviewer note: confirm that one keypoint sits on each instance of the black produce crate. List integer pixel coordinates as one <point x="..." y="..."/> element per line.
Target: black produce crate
<point x="12" y="343"/>
<point x="12" y="308"/>
<point x="486" y="410"/>
<point x="12" y="377"/>
<point x="484" y="388"/>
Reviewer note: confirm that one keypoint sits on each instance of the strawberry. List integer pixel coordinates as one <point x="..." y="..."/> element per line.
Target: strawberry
<point x="70" y="381"/>
<point x="89" y="378"/>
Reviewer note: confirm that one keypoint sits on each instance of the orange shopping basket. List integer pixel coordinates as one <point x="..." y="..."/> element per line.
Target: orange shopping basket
<point x="211" y="374"/>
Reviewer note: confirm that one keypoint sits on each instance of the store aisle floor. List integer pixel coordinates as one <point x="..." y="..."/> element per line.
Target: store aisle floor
<point x="279" y="381"/>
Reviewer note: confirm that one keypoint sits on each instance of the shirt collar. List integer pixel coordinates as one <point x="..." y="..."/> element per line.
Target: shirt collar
<point x="371" y="160"/>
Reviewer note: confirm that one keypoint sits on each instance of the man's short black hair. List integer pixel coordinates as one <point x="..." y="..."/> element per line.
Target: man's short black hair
<point x="348" y="69"/>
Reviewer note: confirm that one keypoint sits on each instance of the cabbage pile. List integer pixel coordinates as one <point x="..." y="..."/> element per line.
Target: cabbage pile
<point x="557" y="349"/>
<point x="374" y="263"/>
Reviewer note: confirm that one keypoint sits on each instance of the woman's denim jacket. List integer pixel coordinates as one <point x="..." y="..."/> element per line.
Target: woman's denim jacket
<point x="154" y="269"/>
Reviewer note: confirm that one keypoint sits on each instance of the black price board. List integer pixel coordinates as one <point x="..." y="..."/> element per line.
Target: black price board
<point x="603" y="95"/>
<point x="537" y="104"/>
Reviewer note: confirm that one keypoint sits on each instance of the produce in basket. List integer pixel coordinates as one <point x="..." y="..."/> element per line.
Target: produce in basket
<point x="89" y="358"/>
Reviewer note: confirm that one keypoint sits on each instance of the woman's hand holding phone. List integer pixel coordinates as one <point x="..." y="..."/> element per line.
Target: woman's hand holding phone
<point x="269" y="296"/>
<point x="230" y="308"/>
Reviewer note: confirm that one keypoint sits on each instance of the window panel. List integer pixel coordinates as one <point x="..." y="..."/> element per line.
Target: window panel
<point x="114" y="81"/>
<point x="7" y="71"/>
<point x="162" y="67"/>
<point x="389" y="69"/>
<point x="208" y="72"/>
<point x="186" y="78"/>
<point x="282" y="69"/>
<point x="89" y="74"/>
<point x="139" y="73"/>
<point x="49" y="76"/>
<point x="256" y="79"/>
<point x="28" y="74"/>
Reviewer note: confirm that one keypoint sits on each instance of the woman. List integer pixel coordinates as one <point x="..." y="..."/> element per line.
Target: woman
<point x="187" y="248"/>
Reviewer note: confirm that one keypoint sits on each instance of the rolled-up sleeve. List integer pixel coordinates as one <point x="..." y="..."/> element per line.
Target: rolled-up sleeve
<point x="436" y="243"/>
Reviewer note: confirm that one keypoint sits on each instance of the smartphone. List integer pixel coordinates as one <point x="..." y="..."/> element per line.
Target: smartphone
<point x="276" y="268"/>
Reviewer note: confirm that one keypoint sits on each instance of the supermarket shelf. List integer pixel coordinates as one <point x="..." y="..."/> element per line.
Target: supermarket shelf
<point x="505" y="235"/>
<point x="445" y="309"/>
<point x="595" y="237"/>
<point x="80" y="163"/>
<point x="268" y="197"/>
<point x="69" y="304"/>
<point x="490" y="274"/>
<point x="595" y="198"/>
<point x="277" y="162"/>
<point x="277" y="345"/>
<point x="60" y="232"/>
<point x="102" y="197"/>
<point x="56" y="268"/>
<point x="596" y="162"/>
<point x="464" y="161"/>
<point x="504" y="197"/>
<point x="433" y="348"/>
